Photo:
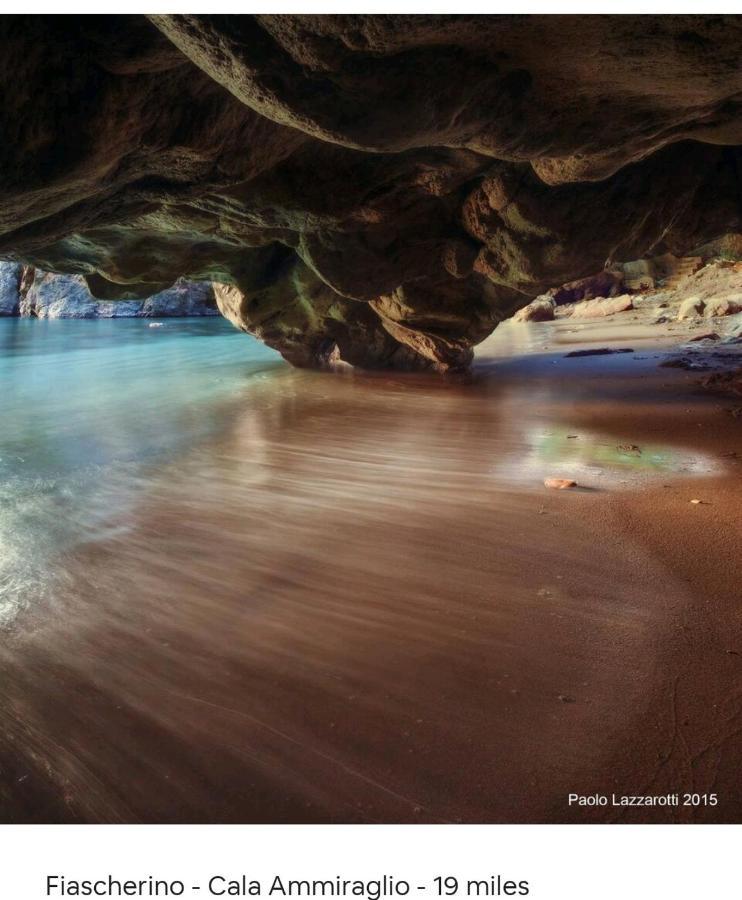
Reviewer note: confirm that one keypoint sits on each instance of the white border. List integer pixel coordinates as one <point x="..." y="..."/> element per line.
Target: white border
<point x="377" y="7"/>
<point x="559" y="862"/>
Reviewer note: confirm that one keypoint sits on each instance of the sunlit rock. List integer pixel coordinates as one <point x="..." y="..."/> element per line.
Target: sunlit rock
<point x="602" y="306"/>
<point x="723" y="306"/>
<point x="539" y="310"/>
<point x="10" y="280"/>
<point x="29" y="292"/>
<point x="691" y="308"/>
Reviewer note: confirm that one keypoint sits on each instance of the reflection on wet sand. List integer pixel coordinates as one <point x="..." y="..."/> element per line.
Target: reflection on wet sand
<point x="357" y="602"/>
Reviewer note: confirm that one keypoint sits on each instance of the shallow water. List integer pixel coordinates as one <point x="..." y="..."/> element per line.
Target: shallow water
<point x="239" y="592"/>
<point x="86" y="406"/>
<point x="91" y="408"/>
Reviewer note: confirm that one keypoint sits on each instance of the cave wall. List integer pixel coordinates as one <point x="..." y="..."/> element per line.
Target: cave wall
<point x="380" y="189"/>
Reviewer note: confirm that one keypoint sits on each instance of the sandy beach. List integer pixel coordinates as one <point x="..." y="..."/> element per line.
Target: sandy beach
<point x="359" y="603"/>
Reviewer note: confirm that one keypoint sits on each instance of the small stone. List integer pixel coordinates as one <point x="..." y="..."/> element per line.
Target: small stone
<point x="559" y="484"/>
<point x="722" y="306"/>
<point x="708" y="336"/>
<point x="599" y="351"/>
<point x="683" y="362"/>
<point x="690" y="308"/>
<point x="565" y="698"/>
<point x="539" y="310"/>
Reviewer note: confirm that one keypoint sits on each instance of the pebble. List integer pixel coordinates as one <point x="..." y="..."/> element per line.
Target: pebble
<point x="599" y="351"/>
<point x="559" y="484"/>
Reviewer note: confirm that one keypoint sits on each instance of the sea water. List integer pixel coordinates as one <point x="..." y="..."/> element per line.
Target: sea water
<point x="88" y="404"/>
<point x="98" y="414"/>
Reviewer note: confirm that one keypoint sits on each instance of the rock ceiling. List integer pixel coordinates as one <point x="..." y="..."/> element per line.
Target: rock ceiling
<point x="383" y="189"/>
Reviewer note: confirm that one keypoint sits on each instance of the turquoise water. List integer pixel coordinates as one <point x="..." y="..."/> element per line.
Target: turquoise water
<point x="85" y="406"/>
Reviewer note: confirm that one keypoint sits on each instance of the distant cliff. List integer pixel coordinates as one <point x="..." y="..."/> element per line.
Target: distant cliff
<point x="25" y="291"/>
<point x="10" y="279"/>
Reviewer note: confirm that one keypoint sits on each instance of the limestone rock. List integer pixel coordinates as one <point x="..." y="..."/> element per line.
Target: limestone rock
<point x="602" y="306"/>
<point x="46" y="295"/>
<point x="184" y="298"/>
<point x="604" y="284"/>
<point x="539" y="310"/>
<point x="52" y="296"/>
<point x="728" y="246"/>
<point x="559" y="484"/>
<point x="10" y="280"/>
<point x="722" y="306"/>
<point x="383" y="187"/>
<point x="690" y="308"/>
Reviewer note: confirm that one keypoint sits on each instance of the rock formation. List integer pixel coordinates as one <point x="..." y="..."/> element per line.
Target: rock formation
<point x="10" y="284"/>
<point x="379" y="189"/>
<point x="539" y="310"/>
<point x="25" y="291"/>
<point x="681" y="288"/>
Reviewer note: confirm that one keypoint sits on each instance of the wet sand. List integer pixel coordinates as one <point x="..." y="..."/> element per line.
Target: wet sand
<point x="358" y="603"/>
